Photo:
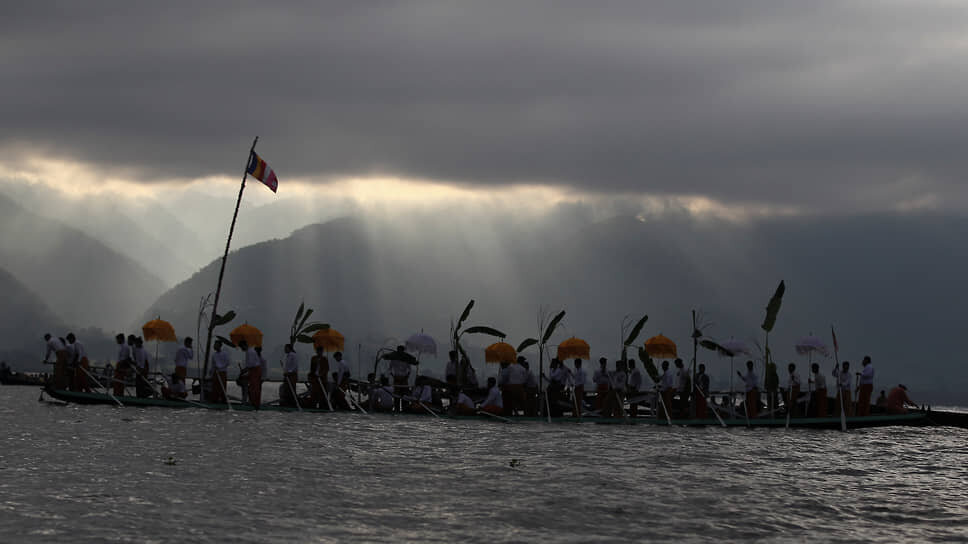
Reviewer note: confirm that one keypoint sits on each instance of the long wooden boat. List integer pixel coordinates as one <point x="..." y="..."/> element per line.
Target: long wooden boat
<point x="913" y="418"/>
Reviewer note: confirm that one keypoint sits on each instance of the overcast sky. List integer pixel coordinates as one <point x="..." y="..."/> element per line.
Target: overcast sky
<point x="810" y="106"/>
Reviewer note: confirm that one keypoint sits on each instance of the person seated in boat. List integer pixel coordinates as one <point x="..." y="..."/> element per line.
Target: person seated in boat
<point x="175" y="389"/>
<point x="880" y="406"/>
<point x="319" y="379"/>
<point x="450" y="372"/>
<point x="290" y="377"/>
<point x="600" y="378"/>
<point x="667" y="388"/>
<point x="464" y="404"/>
<point x="220" y="367"/>
<point x="381" y="398"/>
<point x="793" y="390"/>
<point x="615" y="397"/>
<point x="142" y="385"/>
<point x="421" y="395"/>
<point x="898" y="400"/>
<point x="493" y="404"/>
<point x="61" y="360"/>
<point x="865" y="387"/>
<point x="81" y="364"/>
<point x="751" y="384"/>
<point x="842" y="379"/>
<point x="702" y="392"/>
<point x="819" y="391"/>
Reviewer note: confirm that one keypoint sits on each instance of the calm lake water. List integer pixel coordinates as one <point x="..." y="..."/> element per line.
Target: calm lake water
<point x="99" y="473"/>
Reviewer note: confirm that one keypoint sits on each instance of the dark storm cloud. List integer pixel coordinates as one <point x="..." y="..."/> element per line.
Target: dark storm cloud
<point x="776" y="101"/>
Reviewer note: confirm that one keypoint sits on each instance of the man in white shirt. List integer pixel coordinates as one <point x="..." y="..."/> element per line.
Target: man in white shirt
<point x="865" y="388"/>
<point x="819" y="391"/>
<point x="123" y="365"/>
<point x="601" y="383"/>
<point x="751" y="382"/>
<point x="667" y="387"/>
<point x="465" y="406"/>
<point x="635" y="387"/>
<point x="793" y="390"/>
<point x="615" y="404"/>
<point x="253" y="368"/>
<point x="515" y="376"/>
<point x="580" y="379"/>
<point x="493" y="404"/>
<point x="220" y="366"/>
<point x="81" y="364"/>
<point x="381" y="398"/>
<point x="530" y="391"/>
<point x="842" y="378"/>
<point x="142" y="385"/>
<point x="682" y="387"/>
<point x="183" y="355"/>
<point x="290" y="377"/>
<point x="59" y="350"/>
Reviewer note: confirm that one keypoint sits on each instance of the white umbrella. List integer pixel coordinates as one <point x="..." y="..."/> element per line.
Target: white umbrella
<point x="811" y="344"/>
<point x="737" y="347"/>
<point x="422" y="343"/>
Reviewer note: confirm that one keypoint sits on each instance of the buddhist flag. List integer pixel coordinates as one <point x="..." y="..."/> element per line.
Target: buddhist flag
<point x="260" y="170"/>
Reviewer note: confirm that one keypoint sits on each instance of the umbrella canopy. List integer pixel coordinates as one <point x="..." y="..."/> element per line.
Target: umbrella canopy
<point x="250" y="334"/>
<point x="811" y="344"/>
<point x="329" y="340"/>
<point x="660" y="347"/>
<point x="499" y="353"/>
<point x="422" y="343"/>
<point x="738" y="347"/>
<point x="160" y="330"/>
<point x="574" y="348"/>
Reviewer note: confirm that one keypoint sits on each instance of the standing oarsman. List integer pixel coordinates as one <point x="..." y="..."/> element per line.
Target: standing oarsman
<point x="124" y="364"/>
<point x="515" y="377"/>
<point x="793" y="389"/>
<point x="682" y="387"/>
<point x="530" y="391"/>
<point x="56" y="347"/>
<point x="253" y="369"/>
<point x="842" y="378"/>
<point x="290" y="375"/>
<point x="667" y="386"/>
<point x="702" y="391"/>
<point x="142" y="386"/>
<point x="635" y="387"/>
<point x="400" y="372"/>
<point x="220" y="365"/>
<point x="81" y="364"/>
<point x="319" y="378"/>
<point x="341" y="381"/>
<point x="600" y="380"/>
<point x="579" y="377"/>
<point x="751" y="381"/>
<point x="182" y="357"/>
<point x="615" y="404"/>
<point x="819" y="391"/>
<point x="866" y="388"/>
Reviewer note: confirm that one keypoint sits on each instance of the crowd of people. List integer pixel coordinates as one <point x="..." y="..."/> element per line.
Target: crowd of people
<point x="619" y="391"/>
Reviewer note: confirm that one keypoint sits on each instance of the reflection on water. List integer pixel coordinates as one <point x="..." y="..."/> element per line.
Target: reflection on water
<point x="97" y="473"/>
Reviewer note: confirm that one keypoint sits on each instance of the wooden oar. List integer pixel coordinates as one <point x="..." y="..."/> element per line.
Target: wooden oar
<point x="102" y="387"/>
<point x="497" y="417"/>
<point x="224" y="392"/>
<point x="664" y="408"/>
<point x="350" y="400"/>
<point x="292" y="389"/>
<point x="709" y="404"/>
<point x="325" y="393"/>
<point x="789" y="405"/>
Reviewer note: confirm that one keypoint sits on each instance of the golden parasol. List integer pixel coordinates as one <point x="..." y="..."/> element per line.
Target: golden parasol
<point x="499" y="353"/>
<point x="574" y="348"/>
<point x="250" y="334"/>
<point x="660" y="347"/>
<point x="159" y="330"/>
<point x="328" y="339"/>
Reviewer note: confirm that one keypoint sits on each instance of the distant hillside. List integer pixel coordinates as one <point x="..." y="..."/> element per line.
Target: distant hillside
<point x="80" y="279"/>
<point x="879" y="279"/>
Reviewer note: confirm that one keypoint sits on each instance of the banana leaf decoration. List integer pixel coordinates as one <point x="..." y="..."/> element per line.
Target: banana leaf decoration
<point x="773" y="308"/>
<point x="463" y="316"/>
<point x="713" y="346"/>
<point x="481" y="329"/>
<point x="527" y="343"/>
<point x="550" y="329"/>
<point x="636" y="330"/>
<point x="649" y="365"/>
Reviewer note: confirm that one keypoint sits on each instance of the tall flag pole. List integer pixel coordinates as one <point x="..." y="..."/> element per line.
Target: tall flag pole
<point x="260" y="170"/>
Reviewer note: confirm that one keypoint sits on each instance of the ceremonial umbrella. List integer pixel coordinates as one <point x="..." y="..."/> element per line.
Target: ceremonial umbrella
<point x="574" y="348"/>
<point x="329" y="340"/>
<point x="250" y="334"/>
<point x="160" y="331"/>
<point x="422" y="343"/>
<point x="499" y="353"/>
<point x="810" y="344"/>
<point x="660" y="347"/>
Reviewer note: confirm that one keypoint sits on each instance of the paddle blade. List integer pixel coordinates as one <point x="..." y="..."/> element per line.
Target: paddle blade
<point x="773" y="308"/>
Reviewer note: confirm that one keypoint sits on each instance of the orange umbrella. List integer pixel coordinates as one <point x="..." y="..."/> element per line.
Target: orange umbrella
<point x="499" y="353"/>
<point x="160" y="330"/>
<point x="250" y="334"/>
<point x="574" y="348"/>
<point x="328" y="339"/>
<point x="661" y="347"/>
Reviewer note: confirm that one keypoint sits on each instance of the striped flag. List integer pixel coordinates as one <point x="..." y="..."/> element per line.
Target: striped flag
<point x="260" y="170"/>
